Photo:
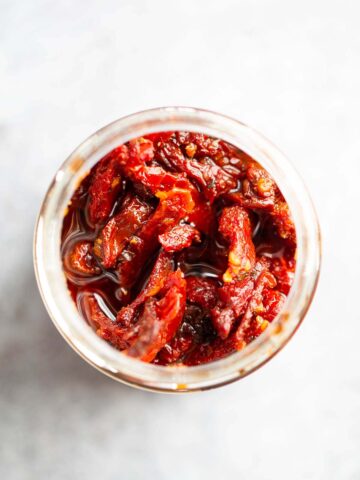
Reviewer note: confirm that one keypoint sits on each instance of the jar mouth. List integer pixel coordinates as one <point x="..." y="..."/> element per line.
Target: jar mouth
<point x="74" y="328"/>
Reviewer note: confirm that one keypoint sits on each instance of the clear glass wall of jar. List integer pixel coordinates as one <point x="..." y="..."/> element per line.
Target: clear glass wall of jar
<point x="62" y="309"/>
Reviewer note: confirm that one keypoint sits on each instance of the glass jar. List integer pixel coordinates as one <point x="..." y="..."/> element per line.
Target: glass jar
<point x="62" y="309"/>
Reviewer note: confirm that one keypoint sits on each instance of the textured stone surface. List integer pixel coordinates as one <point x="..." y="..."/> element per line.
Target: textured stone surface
<point x="290" y="69"/>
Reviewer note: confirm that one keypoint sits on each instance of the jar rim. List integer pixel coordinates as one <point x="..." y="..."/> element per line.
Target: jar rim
<point x="52" y="282"/>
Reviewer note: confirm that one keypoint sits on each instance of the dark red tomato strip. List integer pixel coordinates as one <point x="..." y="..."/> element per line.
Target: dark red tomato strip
<point x="160" y="320"/>
<point x="162" y="269"/>
<point x="235" y="227"/>
<point x="114" y="236"/>
<point x="233" y="298"/>
<point x="179" y="237"/>
<point x="104" y="188"/>
<point x="80" y="259"/>
<point x="212" y="178"/>
<point x="202" y="291"/>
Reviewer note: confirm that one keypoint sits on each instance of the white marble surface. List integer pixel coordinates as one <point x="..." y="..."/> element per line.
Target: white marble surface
<point x="290" y="69"/>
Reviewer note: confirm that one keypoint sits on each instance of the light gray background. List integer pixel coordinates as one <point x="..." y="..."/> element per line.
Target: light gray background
<point x="289" y="69"/>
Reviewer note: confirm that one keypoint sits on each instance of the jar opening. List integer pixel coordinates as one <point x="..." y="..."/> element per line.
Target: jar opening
<point x="51" y="278"/>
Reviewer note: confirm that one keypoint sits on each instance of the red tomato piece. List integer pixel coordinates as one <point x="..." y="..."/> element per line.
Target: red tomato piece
<point x="283" y="272"/>
<point x="162" y="269"/>
<point x="173" y="206"/>
<point x="233" y="298"/>
<point x="214" y="350"/>
<point x="212" y="178"/>
<point x="283" y="222"/>
<point x="202" y="291"/>
<point x="105" y="328"/>
<point x="112" y="239"/>
<point x="160" y="320"/>
<point x="255" y="305"/>
<point x="104" y="189"/>
<point x="81" y="260"/>
<point x="273" y="302"/>
<point x="235" y="227"/>
<point x="179" y="237"/>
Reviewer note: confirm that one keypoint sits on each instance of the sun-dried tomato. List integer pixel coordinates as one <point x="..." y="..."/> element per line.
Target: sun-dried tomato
<point x="205" y="146"/>
<point x="233" y="298"/>
<point x="283" y="222"/>
<point x="195" y="328"/>
<point x="179" y="237"/>
<point x="104" y="189"/>
<point x="213" y="180"/>
<point x="162" y="269"/>
<point x="112" y="239"/>
<point x="273" y="302"/>
<point x="235" y="227"/>
<point x="160" y="320"/>
<point x="174" y="205"/>
<point x="178" y="248"/>
<point x="103" y="325"/>
<point x="202" y="291"/>
<point x="80" y="259"/>
<point x="177" y="347"/>
<point x="283" y="270"/>
<point x="258" y="190"/>
<point x="213" y="350"/>
<point x="255" y="306"/>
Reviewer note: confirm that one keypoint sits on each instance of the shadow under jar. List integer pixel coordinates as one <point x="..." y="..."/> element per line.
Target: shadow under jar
<point x="61" y="245"/>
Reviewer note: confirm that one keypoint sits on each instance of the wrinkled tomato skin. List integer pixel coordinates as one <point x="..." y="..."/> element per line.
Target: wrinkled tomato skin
<point x="113" y="238"/>
<point x="235" y="226"/>
<point x="104" y="188"/>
